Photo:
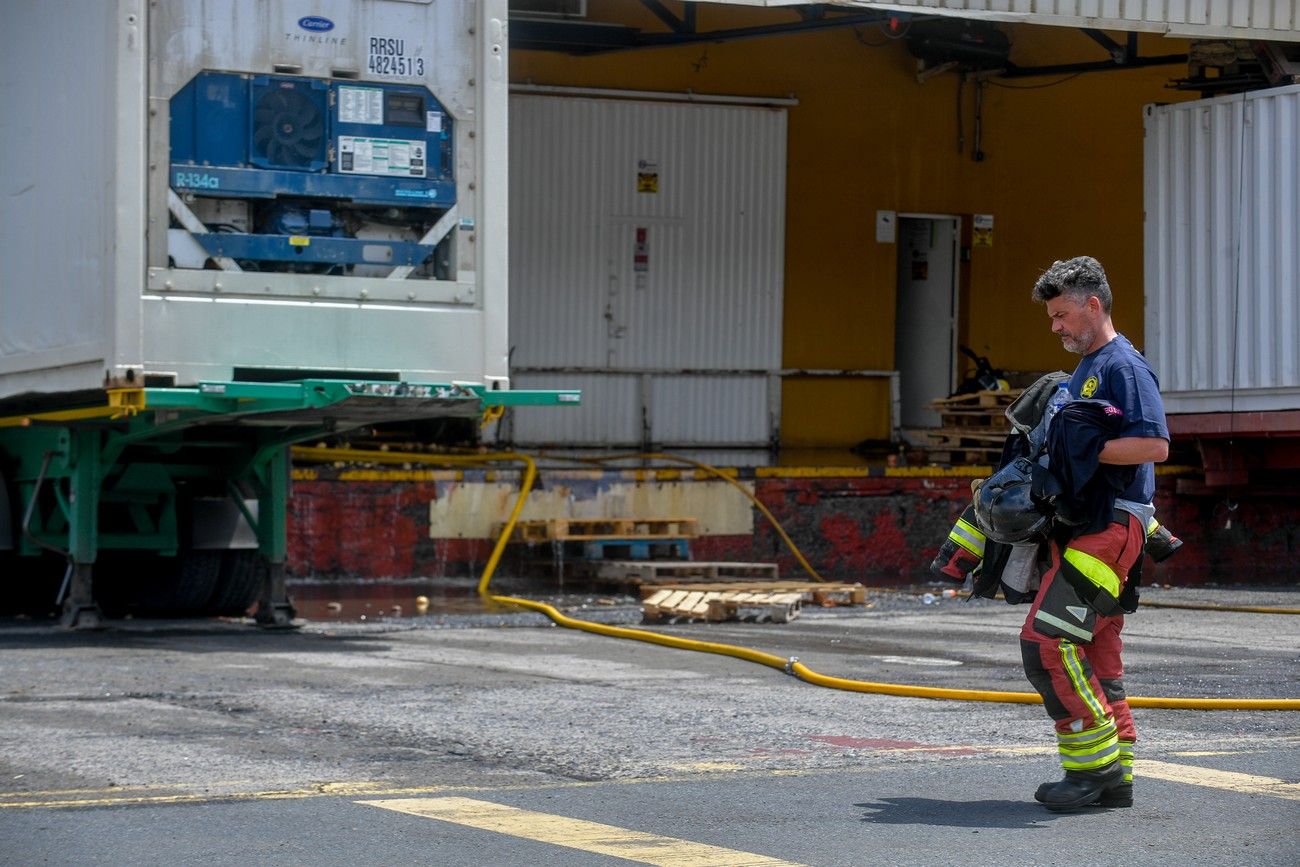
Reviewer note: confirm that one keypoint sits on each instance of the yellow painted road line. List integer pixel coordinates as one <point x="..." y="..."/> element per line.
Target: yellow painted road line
<point x="576" y="833"/>
<point x="107" y="799"/>
<point x="1231" y="781"/>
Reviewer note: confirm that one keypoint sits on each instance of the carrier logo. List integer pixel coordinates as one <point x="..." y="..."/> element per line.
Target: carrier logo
<point x="316" y="23"/>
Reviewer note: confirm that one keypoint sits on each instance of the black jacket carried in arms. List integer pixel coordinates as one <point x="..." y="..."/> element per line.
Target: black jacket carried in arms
<point x="1074" y="483"/>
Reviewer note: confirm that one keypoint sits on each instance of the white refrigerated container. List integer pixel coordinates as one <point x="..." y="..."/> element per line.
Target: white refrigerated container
<point x="243" y="189"/>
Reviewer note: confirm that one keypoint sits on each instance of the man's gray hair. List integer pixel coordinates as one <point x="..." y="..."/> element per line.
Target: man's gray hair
<point x="1076" y="279"/>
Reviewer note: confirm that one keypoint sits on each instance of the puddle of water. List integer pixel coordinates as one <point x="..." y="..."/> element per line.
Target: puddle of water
<point x="377" y="600"/>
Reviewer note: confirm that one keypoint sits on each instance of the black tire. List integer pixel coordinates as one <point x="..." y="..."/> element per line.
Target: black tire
<point x="240" y="584"/>
<point x="32" y="584"/>
<point x="182" y="587"/>
<point x="148" y="585"/>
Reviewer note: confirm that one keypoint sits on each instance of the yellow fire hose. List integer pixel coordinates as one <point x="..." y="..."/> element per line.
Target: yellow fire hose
<point x="791" y="665"/>
<point x="1205" y="606"/>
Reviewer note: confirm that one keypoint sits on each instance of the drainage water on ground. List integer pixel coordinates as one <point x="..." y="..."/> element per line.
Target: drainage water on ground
<point x="377" y="600"/>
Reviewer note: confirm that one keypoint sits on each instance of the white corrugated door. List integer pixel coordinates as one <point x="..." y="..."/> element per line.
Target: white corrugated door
<point x="646" y="258"/>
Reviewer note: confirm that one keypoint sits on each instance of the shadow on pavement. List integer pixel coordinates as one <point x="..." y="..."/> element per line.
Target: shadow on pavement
<point x="956" y="813"/>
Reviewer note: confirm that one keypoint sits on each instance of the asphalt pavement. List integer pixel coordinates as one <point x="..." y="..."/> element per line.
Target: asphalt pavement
<point x="444" y="740"/>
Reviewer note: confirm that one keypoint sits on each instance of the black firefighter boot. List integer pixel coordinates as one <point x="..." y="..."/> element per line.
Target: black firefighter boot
<point x="1120" y="795"/>
<point x="1104" y="786"/>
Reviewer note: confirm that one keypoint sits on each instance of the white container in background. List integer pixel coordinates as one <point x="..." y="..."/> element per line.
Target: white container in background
<point x="1222" y="251"/>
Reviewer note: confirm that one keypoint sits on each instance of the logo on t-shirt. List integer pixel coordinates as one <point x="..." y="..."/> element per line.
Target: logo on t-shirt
<point x="1090" y="386"/>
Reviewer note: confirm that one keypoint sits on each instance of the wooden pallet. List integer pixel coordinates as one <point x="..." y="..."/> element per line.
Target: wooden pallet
<point x="965" y="438"/>
<point x="977" y="400"/>
<point x="718" y="605"/>
<point x="982" y="413"/>
<point x="816" y="592"/>
<point x="973" y="428"/>
<point x="676" y="550"/>
<point x="668" y="572"/>
<point x="965" y="456"/>
<point x="598" y="529"/>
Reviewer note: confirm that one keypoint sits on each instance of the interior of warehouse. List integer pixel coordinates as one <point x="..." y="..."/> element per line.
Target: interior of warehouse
<point x="896" y="167"/>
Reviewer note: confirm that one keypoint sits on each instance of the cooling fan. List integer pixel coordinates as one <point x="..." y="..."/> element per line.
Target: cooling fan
<point x="288" y="129"/>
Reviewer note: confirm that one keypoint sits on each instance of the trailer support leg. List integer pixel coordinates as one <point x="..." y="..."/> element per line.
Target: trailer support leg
<point x="274" y="610"/>
<point x="79" y="608"/>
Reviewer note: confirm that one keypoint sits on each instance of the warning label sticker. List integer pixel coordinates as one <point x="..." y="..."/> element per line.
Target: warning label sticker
<point x="361" y="105"/>
<point x="389" y="157"/>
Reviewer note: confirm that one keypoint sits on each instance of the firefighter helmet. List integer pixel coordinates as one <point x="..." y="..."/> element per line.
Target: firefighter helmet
<point x="1005" y="508"/>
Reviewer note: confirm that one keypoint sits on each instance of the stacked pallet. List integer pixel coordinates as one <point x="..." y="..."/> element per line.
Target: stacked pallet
<point x="972" y="427"/>
<point x="595" y="539"/>
<point x="627" y="553"/>
<point x="657" y="572"/>
<point x="601" y="529"/>
<point x="774" y="601"/>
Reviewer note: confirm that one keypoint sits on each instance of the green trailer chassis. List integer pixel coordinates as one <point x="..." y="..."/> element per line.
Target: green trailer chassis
<point x="112" y="474"/>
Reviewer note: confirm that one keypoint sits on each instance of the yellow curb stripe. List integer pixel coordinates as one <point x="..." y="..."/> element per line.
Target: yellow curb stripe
<point x="575" y="833"/>
<point x="1231" y="781"/>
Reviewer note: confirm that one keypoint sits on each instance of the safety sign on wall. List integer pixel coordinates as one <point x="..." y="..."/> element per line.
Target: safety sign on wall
<point x="641" y="256"/>
<point x="647" y="176"/>
<point x="982" y="230"/>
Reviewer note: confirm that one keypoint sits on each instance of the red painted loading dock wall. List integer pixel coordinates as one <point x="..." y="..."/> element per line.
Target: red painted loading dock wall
<point x="871" y="528"/>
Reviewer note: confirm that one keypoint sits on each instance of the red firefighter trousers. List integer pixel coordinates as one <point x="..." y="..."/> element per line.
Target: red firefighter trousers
<point x="1084" y="687"/>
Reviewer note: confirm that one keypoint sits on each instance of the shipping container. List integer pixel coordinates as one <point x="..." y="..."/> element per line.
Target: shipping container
<point x="251" y="189"/>
<point x="1222" y="262"/>
<point x="228" y="226"/>
<point x="1222" y="251"/>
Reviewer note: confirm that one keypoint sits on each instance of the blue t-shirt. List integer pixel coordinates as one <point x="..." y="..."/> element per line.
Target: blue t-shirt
<point x="1118" y="373"/>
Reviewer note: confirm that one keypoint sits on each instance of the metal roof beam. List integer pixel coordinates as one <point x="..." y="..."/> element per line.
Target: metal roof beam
<point x="675" y="24"/>
<point x="1013" y="71"/>
<point x="1113" y="48"/>
<point x="583" y="37"/>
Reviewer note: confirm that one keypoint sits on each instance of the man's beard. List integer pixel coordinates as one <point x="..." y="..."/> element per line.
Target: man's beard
<point x="1079" y="343"/>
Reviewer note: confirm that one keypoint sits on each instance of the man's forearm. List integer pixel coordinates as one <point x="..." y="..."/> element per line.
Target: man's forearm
<point x="1134" y="450"/>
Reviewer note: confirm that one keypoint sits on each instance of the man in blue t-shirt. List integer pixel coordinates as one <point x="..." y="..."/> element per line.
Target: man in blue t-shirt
<point x="1071" y="639"/>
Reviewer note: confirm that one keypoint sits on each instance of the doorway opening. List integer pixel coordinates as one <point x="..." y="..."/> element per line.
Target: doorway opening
<point x="925" y="331"/>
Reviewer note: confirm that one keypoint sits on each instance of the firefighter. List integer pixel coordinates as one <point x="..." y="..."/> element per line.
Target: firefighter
<point x="1077" y="667"/>
<point x="1106" y="446"/>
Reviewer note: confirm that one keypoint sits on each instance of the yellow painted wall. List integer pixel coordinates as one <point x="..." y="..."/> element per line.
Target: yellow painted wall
<point x="1062" y="176"/>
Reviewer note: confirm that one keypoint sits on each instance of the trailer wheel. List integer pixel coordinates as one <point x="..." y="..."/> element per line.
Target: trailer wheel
<point x="240" y="584"/>
<point x="148" y="585"/>
<point x="31" y="584"/>
<point x="181" y="587"/>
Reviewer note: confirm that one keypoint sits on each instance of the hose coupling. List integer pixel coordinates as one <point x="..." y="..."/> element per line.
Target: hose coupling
<point x="789" y="665"/>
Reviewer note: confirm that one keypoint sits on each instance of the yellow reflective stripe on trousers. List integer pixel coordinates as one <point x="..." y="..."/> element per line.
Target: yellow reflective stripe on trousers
<point x="1099" y="756"/>
<point x="1092" y="734"/>
<point x="1082" y="685"/>
<point x="1126" y="759"/>
<point x="1099" y="747"/>
<point x="1094" y="570"/>
<point x="968" y="536"/>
